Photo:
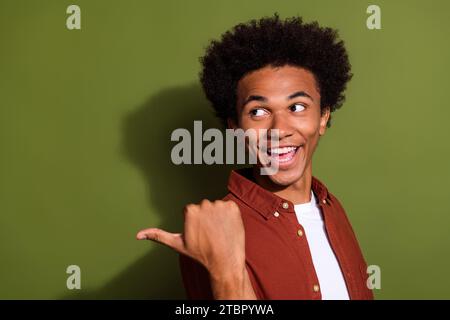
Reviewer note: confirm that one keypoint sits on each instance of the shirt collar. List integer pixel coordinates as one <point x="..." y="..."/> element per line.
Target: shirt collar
<point x="263" y="201"/>
<point x="308" y="205"/>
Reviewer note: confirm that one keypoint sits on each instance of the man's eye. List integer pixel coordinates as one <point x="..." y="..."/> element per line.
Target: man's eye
<point x="258" y="112"/>
<point x="297" y="107"/>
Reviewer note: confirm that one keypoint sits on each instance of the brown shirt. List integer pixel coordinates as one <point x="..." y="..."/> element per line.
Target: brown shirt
<point x="278" y="258"/>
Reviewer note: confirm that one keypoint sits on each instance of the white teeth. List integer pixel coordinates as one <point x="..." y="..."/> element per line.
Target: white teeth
<point x="282" y="150"/>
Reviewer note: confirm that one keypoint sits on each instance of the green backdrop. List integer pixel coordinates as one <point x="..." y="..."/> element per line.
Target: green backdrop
<point x="85" y="123"/>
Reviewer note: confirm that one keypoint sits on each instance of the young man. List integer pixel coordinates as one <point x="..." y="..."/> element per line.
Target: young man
<point x="280" y="236"/>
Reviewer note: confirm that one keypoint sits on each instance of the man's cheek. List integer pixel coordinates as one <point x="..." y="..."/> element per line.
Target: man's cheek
<point x="309" y="129"/>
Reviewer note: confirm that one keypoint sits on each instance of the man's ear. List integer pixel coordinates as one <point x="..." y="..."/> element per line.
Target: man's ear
<point x="231" y="123"/>
<point x="324" y="117"/>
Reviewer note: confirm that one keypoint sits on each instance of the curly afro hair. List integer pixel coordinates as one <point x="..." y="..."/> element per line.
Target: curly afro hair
<point x="271" y="41"/>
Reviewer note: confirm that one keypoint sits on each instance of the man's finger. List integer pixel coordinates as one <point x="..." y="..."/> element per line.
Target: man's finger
<point x="172" y="240"/>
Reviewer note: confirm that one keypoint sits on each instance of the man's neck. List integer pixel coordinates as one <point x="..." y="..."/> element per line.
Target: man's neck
<point x="298" y="192"/>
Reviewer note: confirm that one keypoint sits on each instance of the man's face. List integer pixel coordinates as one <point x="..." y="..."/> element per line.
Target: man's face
<point x="284" y="98"/>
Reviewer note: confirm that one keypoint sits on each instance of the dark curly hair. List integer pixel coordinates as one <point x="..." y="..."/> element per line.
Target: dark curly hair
<point x="271" y="41"/>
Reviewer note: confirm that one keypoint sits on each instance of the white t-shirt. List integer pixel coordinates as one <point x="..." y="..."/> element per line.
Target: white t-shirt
<point x="331" y="280"/>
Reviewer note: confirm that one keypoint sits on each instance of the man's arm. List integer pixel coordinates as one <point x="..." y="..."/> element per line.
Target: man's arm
<point x="236" y="287"/>
<point x="213" y="236"/>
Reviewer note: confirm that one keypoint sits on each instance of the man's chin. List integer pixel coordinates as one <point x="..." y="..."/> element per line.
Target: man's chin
<point x="285" y="179"/>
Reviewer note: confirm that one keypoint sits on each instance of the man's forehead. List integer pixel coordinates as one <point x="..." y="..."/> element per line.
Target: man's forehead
<point x="281" y="81"/>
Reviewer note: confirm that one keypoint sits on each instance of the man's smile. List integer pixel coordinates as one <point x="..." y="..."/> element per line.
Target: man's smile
<point x="284" y="155"/>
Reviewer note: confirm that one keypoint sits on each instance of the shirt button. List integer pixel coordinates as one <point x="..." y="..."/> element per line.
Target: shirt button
<point x="285" y="205"/>
<point x="316" y="288"/>
<point x="300" y="232"/>
<point x="276" y="214"/>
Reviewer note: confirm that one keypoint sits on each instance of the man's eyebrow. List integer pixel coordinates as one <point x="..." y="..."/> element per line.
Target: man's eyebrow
<point x="300" y="94"/>
<point x="264" y="99"/>
<point x="254" y="98"/>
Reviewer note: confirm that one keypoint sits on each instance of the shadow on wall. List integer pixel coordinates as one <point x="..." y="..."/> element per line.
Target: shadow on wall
<point x="146" y="143"/>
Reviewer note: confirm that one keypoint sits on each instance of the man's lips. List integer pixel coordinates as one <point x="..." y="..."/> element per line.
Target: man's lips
<point x="283" y="154"/>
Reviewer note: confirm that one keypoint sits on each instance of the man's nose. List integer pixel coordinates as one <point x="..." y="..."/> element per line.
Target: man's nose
<point x="280" y="123"/>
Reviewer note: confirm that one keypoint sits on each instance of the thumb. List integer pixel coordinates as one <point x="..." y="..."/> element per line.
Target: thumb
<point x="172" y="240"/>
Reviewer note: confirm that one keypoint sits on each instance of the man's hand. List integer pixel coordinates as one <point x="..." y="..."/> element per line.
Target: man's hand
<point x="214" y="236"/>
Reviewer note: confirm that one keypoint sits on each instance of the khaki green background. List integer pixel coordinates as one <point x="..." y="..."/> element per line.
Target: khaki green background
<point x="85" y="123"/>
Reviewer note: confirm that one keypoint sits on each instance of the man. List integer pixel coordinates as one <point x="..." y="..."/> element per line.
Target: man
<point x="279" y="236"/>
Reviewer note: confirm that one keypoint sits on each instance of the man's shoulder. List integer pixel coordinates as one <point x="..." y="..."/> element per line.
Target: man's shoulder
<point x="231" y="197"/>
